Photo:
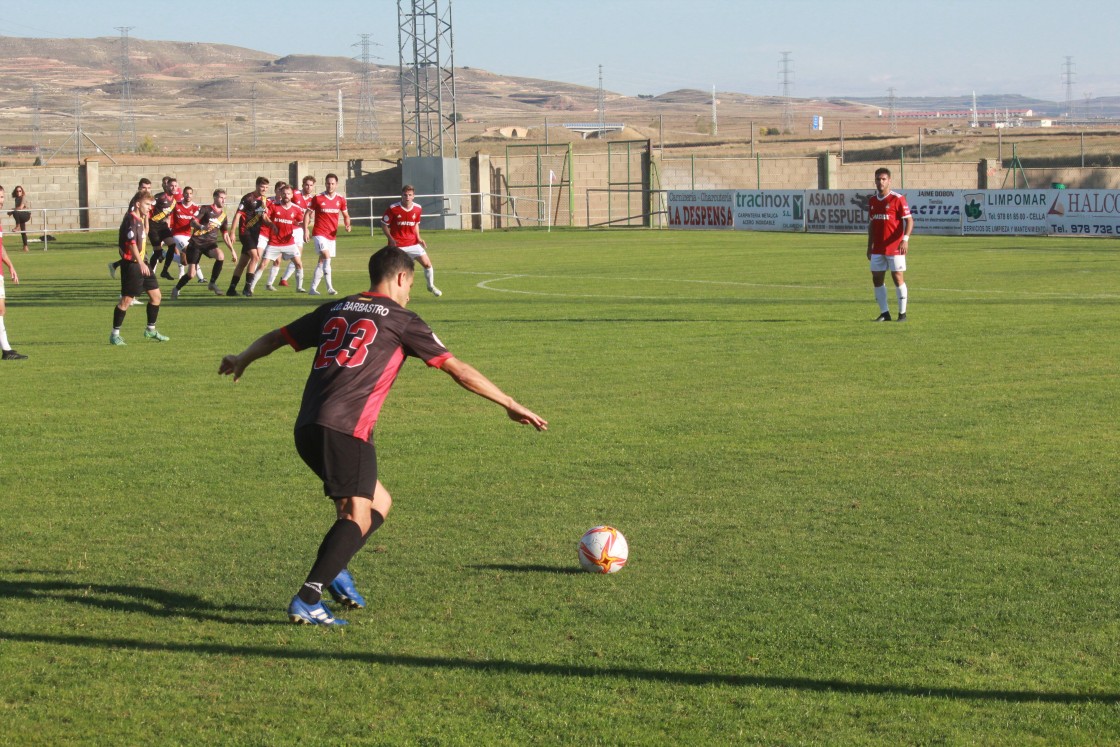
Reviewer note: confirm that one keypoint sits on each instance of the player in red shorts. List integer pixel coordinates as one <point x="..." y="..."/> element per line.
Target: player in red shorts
<point x="401" y="226"/>
<point x="360" y="343"/>
<point x="888" y="239"/>
<point x="324" y="210"/>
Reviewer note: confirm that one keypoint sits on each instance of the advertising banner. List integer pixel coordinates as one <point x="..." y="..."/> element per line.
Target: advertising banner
<point x="770" y="210"/>
<point x="700" y="209"/>
<point x="1006" y="212"/>
<point x="837" y="210"/>
<point x="935" y="211"/>
<point x="1084" y="212"/>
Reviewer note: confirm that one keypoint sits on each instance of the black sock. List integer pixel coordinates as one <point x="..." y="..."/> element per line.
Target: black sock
<point x="168" y="260"/>
<point x="342" y="541"/>
<point x="216" y="270"/>
<point x="118" y="317"/>
<point x="153" y="312"/>
<point x="233" y="283"/>
<point x="183" y="281"/>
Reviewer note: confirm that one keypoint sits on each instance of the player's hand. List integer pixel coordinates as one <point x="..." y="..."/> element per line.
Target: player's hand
<point x="904" y="246"/>
<point x="519" y="414"/>
<point x="869" y="255"/>
<point x="15" y="277"/>
<point x="144" y="269"/>
<point x="231" y="364"/>
<point x="347" y="229"/>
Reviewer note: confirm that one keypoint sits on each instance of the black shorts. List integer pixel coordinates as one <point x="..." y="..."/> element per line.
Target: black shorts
<point x="195" y="252"/>
<point x="134" y="282"/>
<point x="160" y="233"/>
<point x="347" y="465"/>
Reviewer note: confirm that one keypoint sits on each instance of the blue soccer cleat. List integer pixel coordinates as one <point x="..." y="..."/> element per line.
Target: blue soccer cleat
<point x="343" y="591"/>
<point x="302" y="613"/>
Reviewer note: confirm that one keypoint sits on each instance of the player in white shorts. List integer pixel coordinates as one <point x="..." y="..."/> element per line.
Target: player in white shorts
<point x="281" y="218"/>
<point x="324" y="210"/>
<point x="303" y="199"/>
<point x="9" y="354"/>
<point x="401" y="226"/>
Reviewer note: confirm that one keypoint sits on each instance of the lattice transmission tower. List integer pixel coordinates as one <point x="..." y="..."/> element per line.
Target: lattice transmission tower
<point x="367" y="119"/>
<point x="126" y="135"/>
<point x="601" y="103"/>
<point x="786" y="77"/>
<point x="36" y="119"/>
<point x="892" y="114"/>
<point x="1067" y="76"/>
<point x="427" y="57"/>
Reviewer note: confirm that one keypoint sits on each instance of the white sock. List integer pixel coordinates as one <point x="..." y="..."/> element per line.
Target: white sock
<point x="430" y="276"/>
<point x="901" y="290"/>
<point x="4" y="336"/>
<point x="272" y="273"/>
<point x="881" y="298"/>
<point x="327" y="273"/>
<point x="291" y="269"/>
<point x="317" y="276"/>
<point x="299" y="278"/>
<point x="182" y="270"/>
<point x="256" y="277"/>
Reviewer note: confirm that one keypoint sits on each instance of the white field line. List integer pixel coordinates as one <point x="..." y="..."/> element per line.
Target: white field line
<point x="500" y="277"/>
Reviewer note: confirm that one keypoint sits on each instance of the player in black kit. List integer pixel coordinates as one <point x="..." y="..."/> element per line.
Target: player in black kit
<point x="205" y="228"/>
<point x="360" y="343"/>
<point x="247" y="226"/>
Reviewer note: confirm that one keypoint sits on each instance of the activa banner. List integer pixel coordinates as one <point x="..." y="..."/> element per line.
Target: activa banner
<point x="945" y="212"/>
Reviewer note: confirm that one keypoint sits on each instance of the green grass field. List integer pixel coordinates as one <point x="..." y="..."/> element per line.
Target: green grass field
<point x="841" y="532"/>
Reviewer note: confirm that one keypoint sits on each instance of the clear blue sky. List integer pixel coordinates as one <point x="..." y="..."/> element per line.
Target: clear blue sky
<point x="837" y="47"/>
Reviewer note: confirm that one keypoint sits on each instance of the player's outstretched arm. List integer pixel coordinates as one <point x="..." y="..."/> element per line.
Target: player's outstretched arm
<point x="471" y="379"/>
<point x="264" y="345"/>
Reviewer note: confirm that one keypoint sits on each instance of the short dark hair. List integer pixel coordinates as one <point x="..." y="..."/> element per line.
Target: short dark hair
<point x="218" y="192"/>
<point x="331" y="176"/>
<point x="262" y="180"/>
<point x="144" y="181"/>
<point x="387" y="262"/>
<point x="882" y="170"/>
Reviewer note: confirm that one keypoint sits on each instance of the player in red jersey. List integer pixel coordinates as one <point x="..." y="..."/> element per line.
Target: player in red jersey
<point x="303" y="199"/>
<point x="136" y="276"/>
<point x="888" y="239"/>
<point x="206" y="228"/>
<point x="9" y="354"/>
<point x="360" y="344"/>
<point x="324" y="210"/>
<point x="247" y="227"/>
<point x="185" y="211"/>
<point x="283" y="219"/>
<point x="401" y="226"/>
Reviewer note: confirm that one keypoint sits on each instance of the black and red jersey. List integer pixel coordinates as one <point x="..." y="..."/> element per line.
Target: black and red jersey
<point x="162" y="207"/>
<point x="251" y="209"/>
<point x="131" y="236"/>
<point x="360" y="344"/>
<point x="213" y="221"/>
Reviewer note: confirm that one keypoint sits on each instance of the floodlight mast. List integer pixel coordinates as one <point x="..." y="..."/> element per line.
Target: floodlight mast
<point x="427" y="78"/>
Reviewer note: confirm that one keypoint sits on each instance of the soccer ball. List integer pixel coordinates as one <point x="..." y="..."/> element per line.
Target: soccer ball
<point x="603" y="550"/>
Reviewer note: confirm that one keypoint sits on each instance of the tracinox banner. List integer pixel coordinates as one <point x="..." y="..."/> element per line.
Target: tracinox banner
<point x="943" y="212"/>
<point x="770" y="210"/>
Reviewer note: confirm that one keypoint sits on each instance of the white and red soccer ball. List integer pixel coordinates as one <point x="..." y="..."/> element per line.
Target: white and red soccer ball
<point x="603" y="550"/>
